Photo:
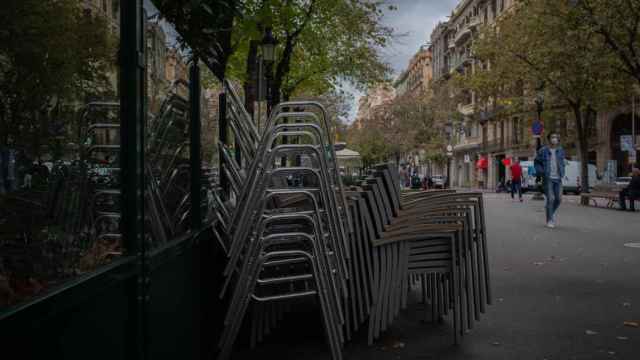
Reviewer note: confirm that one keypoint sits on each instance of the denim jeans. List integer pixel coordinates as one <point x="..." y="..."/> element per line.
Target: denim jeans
<point x="553" y="195"/>
<point x="516" y="187"/>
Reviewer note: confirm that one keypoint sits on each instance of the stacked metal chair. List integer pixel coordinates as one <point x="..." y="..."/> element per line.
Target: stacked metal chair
<point x="286" y="240"/>
<point x="291" y="231"/>
<point x="438" y="239"/>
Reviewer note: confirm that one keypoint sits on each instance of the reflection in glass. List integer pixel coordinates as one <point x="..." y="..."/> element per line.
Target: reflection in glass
<point x="59" y="133"/>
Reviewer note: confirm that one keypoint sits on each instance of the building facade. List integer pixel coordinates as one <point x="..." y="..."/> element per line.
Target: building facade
<point x="376" y="99"/>
<point x="480" y="139"/>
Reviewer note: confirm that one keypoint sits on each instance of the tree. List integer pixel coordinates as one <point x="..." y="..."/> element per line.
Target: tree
<point x="617" y="22"/>
<point x="321" y="42"/>
<point x="52" y="53"/>
<point x="524" y="50"/>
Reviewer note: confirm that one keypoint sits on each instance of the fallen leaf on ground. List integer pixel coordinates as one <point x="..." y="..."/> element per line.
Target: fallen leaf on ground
<point x="634" y="324"/>
<point x="591" y="332"/>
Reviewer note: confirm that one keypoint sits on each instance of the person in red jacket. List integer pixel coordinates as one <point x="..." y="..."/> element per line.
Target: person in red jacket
<point x="516" y="179"/>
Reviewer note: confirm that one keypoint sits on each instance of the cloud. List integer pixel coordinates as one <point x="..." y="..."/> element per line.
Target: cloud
<point x="416" y="19"/>
<point x="413" y="20"/>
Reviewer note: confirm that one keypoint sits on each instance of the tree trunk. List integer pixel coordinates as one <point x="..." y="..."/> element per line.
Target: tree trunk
<point x="583" y="147"/>
<point x="251" y="84"/>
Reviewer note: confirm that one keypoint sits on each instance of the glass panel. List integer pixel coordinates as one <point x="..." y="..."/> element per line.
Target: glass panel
<point x="210" y="111"/>
<point x="167" y="135"/>
<point x="59" y="144"/>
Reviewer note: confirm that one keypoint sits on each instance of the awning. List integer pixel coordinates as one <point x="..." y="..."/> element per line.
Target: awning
<point x="347" y="154"/>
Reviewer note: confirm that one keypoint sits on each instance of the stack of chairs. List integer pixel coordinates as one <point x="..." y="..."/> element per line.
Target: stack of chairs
<point x="286" y="235"/>
<point x="433" y="241"/>
<point x="292" y="231"/>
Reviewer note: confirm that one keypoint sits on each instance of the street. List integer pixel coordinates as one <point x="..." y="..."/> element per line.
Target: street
<point x="558" y="294"/>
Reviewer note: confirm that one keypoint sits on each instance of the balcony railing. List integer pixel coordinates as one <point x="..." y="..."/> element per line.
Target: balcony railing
<point x="466" y="31"/>
<point x="494" y="145"/>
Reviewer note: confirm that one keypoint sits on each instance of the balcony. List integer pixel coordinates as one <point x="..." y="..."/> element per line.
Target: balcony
<point x="466" y="109"/>
<point x="494" y="145"/>
<point x="451" y="45"/>
<point x="467" y="30"/>
<point x="468" y="143"/>
<point x="460" y="61"/>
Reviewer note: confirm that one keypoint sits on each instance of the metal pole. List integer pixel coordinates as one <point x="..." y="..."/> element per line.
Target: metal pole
<point x="194" y="145"/>
<point x="448" y="172"/>
<point x="633" y="125"/>
<point x="132" y="115"/>
<point x="538" y="194"/>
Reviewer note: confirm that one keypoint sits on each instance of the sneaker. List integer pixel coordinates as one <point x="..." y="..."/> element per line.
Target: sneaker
<point x="551" y="225"/>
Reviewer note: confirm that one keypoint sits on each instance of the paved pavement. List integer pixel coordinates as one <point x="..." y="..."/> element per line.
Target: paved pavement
<point x="561" y="293"/>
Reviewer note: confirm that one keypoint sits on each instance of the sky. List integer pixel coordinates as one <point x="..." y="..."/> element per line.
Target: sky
<point x="414" y="20"/>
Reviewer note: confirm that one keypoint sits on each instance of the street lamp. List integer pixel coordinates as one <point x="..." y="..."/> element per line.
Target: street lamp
<point x="268" y="50"/>
<point x="268" y="46"/>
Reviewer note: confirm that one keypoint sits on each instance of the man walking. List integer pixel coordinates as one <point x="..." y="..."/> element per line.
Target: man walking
<point x="632" y="191"/>
<point x="550" y="166"/>
<point x="516" y="179"/>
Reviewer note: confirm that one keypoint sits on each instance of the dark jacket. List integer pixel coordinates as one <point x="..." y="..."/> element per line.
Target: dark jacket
<point x="634" y="186"/>
<point x="543" y="161"/>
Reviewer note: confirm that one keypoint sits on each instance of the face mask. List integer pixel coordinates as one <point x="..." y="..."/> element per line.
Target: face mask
<point x="555" y="141"/>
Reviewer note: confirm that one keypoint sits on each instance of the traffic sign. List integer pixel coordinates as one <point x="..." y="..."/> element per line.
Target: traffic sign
<point x="537" y="128"/>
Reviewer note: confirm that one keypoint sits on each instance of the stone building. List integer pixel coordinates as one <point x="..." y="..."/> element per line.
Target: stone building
<point x="416" y="79"/>
<point x="375" y="100"/>
<point x="479" y="137"/>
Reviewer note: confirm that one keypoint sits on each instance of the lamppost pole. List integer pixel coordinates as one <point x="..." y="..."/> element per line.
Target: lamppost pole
<point x="540" y="109"/>
<point x="268" y="48"/>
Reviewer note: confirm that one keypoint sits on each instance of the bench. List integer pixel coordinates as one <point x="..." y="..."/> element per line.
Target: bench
<point x="609" y="193"/>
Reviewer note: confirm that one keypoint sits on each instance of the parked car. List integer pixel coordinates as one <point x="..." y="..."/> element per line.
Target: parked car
<point x="439" y="181"/>
<point x="572" y="182"/>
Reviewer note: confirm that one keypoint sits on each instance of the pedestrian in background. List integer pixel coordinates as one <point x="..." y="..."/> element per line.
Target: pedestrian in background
<point x="516" y="179"/>
<point x="632" y="191"/>
<point x="549" y="165"/>
<point x="403" y="177"/>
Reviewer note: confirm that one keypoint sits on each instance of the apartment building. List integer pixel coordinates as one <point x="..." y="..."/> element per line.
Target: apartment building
<point x="416" y="79"/>
<point x="480" y="139"/>
<point x="376" y="99"/>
